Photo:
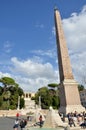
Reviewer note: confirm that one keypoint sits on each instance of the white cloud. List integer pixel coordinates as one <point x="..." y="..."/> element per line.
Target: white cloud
<point x="4" y="75"/>
<point x="32" y="75"/>
<point x="75" y="31"/>
<point x="49" y="53"/>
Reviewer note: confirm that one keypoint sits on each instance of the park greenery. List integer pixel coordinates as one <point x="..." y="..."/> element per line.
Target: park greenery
<point x="80" y="87"/>
<point x="49" y="96"/>
<point x="9" y="93"/>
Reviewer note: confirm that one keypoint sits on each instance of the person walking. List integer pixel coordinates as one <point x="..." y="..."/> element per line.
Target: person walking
<point x="23" y="123"/>
<point x="16" y="124"/>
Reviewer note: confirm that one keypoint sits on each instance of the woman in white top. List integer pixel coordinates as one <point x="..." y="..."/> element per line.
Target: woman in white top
<point x="16" y="125"/>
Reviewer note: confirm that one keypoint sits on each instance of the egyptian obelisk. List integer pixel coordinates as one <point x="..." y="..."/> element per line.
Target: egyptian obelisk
<point x="68" y="89"/>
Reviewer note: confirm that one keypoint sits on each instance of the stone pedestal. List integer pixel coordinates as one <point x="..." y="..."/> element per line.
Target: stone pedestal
<point x="69" y="97"/>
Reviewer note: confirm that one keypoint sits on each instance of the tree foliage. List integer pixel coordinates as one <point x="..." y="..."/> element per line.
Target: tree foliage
<point x="7" y="81"/>
<point x="9" y="93"/>
<point x="80" y="87"/>
<point x="48" y="98"/>
<point x="53" y="85"/>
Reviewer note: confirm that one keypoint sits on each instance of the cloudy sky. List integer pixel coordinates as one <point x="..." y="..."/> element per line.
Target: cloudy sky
<point x="28" y="51"/>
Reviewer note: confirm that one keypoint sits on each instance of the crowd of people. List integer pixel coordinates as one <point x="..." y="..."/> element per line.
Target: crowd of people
<point x="75" y="119"/>
<point x="19" y="123"/>
<point x="23" y="122"/>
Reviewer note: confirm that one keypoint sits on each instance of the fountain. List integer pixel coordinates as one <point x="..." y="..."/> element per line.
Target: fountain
<point x="51" y="122"/>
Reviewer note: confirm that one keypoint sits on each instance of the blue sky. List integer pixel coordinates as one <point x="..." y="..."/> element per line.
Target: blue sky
<point x="28" y="43"/>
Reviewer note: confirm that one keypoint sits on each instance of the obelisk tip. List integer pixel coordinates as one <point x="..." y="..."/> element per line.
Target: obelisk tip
<point x="55" y="8"/>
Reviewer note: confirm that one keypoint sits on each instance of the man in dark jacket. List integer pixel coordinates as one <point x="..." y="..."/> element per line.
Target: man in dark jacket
<point x="23" y="123"/>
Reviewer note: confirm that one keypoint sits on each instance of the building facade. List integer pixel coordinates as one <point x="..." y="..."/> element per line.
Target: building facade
<point x="29" y="103"/>
<point x="83" y="97"/>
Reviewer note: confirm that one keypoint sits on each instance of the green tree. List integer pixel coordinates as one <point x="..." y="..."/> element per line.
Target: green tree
<point x="22" y="102"/>
<point x="53" y="85"/>
<point x="20" y="91"/>
<point x="10" y="93"/>
<point x="80" y="87"/>
<point x="1" y="90"/>
<point x="1" y="101"/>
<point x="48" y="98"/>
<point x="43" y="92"/>
<point x="7" y="81"/>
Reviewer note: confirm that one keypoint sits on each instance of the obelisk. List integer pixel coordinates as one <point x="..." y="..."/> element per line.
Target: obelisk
<point x="68" y="90"/>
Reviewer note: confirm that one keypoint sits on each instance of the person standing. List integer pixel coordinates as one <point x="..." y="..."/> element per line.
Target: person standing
<point x="23" y="123"/>
<point x="40" y="120"/>
<point x="16" y="124"/>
